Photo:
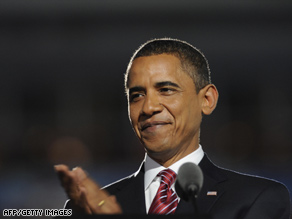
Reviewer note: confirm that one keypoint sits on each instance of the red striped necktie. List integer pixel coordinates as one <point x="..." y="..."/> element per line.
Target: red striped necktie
<point x="165" y="201"/>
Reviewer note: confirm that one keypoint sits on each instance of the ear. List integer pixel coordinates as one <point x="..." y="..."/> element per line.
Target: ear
<point x="209" y="96"/>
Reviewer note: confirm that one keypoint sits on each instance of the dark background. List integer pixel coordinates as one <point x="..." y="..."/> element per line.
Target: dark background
<point x="62" y="97"/>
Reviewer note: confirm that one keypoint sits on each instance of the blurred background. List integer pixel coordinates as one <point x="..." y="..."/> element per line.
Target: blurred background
<point x="62" y="98"/>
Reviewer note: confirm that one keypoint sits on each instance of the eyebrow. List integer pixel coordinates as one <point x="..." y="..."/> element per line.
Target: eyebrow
<point x="166" y="83"/>
<point x="135" y="89"/>
<point x="157" y="85"/>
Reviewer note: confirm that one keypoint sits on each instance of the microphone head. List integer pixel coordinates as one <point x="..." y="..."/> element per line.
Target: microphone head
<point x="189" y="181"/>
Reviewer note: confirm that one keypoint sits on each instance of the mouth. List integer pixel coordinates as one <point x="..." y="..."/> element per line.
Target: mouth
<point x="153" y="124"/>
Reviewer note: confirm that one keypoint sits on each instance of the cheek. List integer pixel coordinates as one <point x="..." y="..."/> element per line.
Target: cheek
<point x="133" y="115"/>
<point x="186" y="115"/>
<point x="176" y="109"/>
<point x="134" y="118"/>
<point x="194" y="117"/>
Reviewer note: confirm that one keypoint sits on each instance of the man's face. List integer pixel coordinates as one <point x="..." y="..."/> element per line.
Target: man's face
<point x="164" y="108"/>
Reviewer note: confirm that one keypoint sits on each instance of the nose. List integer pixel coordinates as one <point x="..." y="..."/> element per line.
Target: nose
<point x="151" y="105"/>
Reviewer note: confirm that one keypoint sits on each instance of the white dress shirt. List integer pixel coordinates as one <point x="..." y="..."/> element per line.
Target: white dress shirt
<point x="152" y="168"/>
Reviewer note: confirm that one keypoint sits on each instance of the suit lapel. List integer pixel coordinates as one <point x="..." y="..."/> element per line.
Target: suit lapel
<point x="184" y="208"/>
<point x="211" y="190"/>
<point x="212" y="179"/>
<point x="131" y="196"/>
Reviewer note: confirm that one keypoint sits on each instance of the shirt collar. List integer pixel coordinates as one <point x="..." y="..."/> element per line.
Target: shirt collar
<point x="152" y="168"/>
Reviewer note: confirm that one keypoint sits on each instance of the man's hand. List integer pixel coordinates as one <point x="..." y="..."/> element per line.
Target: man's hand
<point x="85" y="194"/>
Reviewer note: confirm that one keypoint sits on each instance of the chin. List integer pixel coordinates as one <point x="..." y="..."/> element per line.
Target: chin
<point x="157" y="149"/>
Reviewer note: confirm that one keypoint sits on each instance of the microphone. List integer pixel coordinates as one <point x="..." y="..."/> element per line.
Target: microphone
<point x="188" y="183"/>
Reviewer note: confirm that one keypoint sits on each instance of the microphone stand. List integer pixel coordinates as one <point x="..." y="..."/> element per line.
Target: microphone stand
<point x="192" y="191"/>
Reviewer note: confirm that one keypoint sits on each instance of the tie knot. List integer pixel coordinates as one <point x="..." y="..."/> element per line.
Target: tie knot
<point x="167" y="177"/>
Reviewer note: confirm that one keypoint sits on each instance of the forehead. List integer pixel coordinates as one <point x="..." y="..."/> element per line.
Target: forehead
<point x="156" y="67"/>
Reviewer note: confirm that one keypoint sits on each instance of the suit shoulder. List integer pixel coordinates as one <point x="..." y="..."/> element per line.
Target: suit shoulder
<point x="220" y="174"/>
<point x="253" y="181"/>
<point x="112" y="187"/>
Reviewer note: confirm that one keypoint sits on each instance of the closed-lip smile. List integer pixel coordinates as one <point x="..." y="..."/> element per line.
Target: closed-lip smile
<point x="153" y="123"/>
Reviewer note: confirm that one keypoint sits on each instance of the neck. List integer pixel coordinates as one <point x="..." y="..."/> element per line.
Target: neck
<point x="167" y="158"/>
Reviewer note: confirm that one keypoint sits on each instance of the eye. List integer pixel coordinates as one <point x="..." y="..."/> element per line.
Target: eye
<point x="134" y="97"/>
<point x="166" y="90"/>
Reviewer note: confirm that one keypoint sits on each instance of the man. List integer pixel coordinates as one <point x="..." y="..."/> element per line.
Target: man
<point x="169" y="90"/>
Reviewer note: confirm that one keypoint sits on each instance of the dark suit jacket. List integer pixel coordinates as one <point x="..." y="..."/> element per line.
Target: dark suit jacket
<point x="238" y="195"/>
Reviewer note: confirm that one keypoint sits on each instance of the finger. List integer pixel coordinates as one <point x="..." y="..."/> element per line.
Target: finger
<point x="61" y="170"/>
<point x="90" y="191"/>
<point x="83" y="201"/>
<point x="69" y="182"/>
<point x="112" y="206"/>
<point x="92" y="188"/>
<point x="80" y="174"/>
<point x="93" y="192"/>
<point x="108" y="206"/>
<point x="94" y="195"/>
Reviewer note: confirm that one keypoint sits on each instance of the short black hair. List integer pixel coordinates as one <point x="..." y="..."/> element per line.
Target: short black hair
<point x="192" y="60"/>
